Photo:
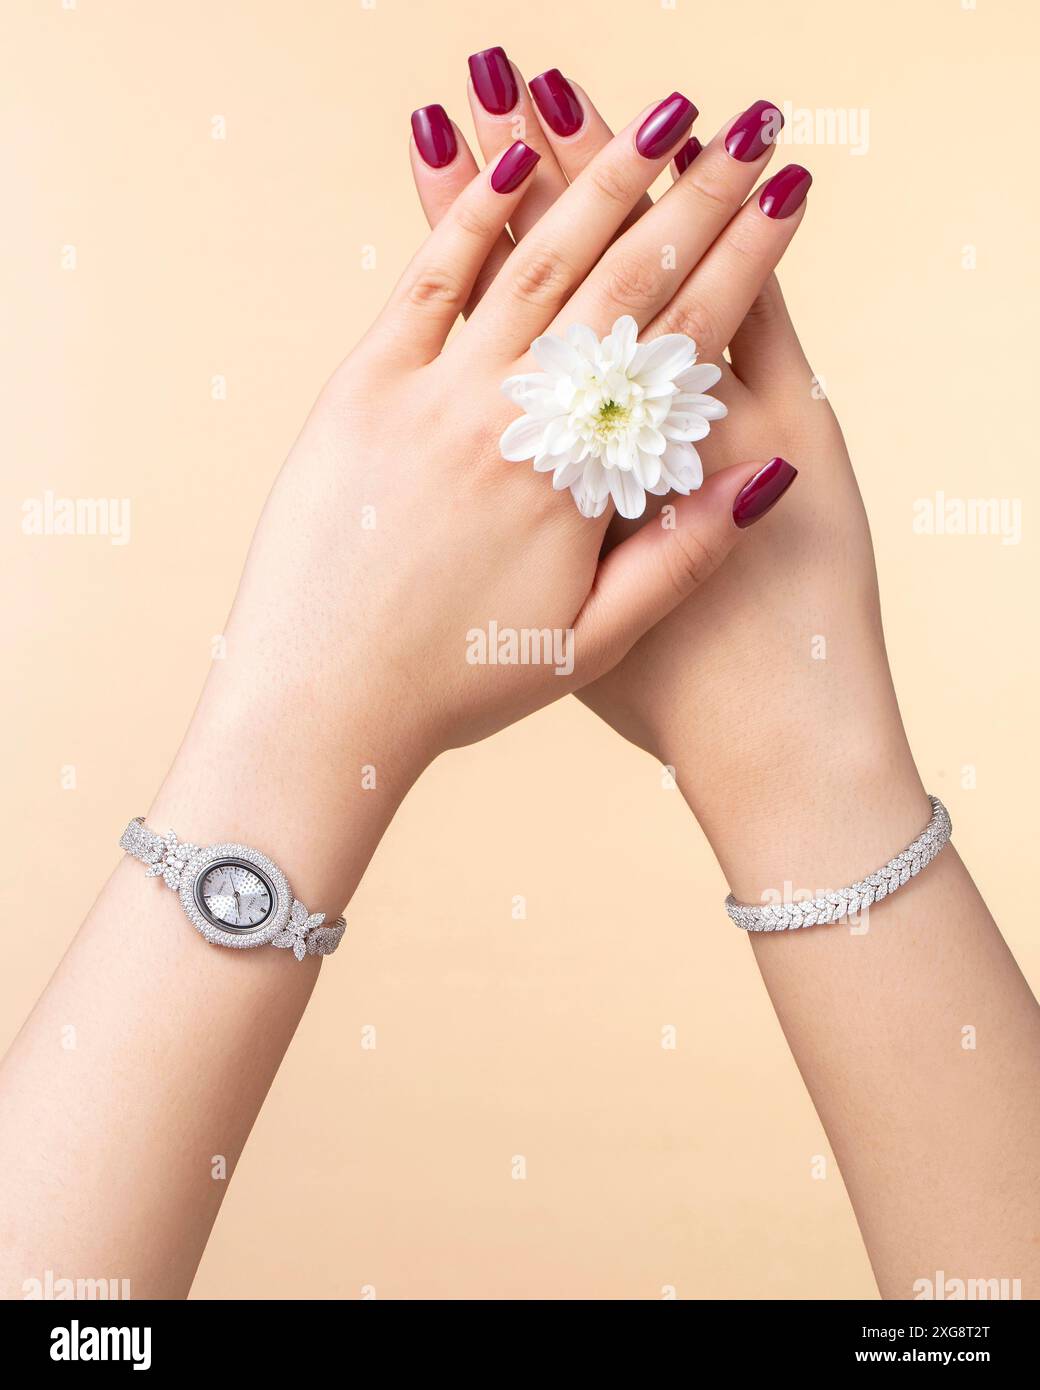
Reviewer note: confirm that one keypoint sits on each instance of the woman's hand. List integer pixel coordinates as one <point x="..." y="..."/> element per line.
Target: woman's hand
<point x="780" y="667"/>
<point x="396" y="529"/>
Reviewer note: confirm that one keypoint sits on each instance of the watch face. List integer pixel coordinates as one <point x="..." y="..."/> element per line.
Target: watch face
<point x="234" y="895"/>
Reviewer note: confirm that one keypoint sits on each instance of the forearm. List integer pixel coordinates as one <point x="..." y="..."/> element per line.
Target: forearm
<point x="914" y="1030"/>
<point x="130" y="1092"/>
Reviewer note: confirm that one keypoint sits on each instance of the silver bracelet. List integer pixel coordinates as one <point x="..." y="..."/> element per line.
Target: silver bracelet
<point x="234" y="895"/>
<point x="832" y="907"/>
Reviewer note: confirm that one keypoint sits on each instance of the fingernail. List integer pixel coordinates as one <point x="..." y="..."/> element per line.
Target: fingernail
<point x="434" y="136"/>
<point x="763" y="491"/>
<point x="557" y="101"/>
<point x="664" y="125"/>
<point x="688" y="154"/>
<point x="751" y="134"/>
<point x="514" y="167"/>
<point x="493" y="81"/>
<point x="785" y="192"/>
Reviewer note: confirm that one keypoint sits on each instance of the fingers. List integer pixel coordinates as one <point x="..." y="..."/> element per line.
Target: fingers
<point x="640" y="581"/>
<point x="713" y="301"/>
<point x="765" y="351"/>
<point x="503" y="112"/>
<point x="549" y="264"/>
<point x="642" y="270"/>
<point x="442" y="166"/>
<point x="440" y="278"/>
<point x="575" y="130"/>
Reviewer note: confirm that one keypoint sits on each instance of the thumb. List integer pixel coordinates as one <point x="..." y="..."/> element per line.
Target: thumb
<point x="640" y="581"/>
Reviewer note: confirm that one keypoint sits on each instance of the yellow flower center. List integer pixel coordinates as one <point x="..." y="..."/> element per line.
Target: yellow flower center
<point x="611" y="419"/>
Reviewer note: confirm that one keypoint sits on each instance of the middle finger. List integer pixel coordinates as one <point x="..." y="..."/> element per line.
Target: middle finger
<point x="643" y="269"/>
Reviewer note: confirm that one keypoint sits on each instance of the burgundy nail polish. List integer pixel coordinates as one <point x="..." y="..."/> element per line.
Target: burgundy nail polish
<point x="557" y="101"/>
<point x="434" y="136"/>
<point x="514" y="167"/>
<point x="785" y="192"/>
<point x="493" y="81"/>
<point x="664" y="125"/>
<point x="763" y="491"/>
<point x="751" y="134"/>
<point x="688" y="154"/>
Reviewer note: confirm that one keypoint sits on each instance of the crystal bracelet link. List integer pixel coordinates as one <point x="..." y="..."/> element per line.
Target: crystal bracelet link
<point x="832" y="907"/>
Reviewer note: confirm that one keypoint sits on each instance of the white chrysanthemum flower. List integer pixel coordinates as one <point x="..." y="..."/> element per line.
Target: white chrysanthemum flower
<point x="614" y="418"/>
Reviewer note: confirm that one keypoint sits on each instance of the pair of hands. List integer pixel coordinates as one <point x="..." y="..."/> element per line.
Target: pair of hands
<point x="396" y="528"/>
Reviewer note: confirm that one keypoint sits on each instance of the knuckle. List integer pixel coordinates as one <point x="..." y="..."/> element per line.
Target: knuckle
<point x="631" y="282"/>
<point x="692" y="317"/>
<point x="435" y="288"/>
<point x="709" y="191"/>
<point x="540" y="276"/>
<point x="766" y="309"/>
<point x="609" y="182"/>
<point x="472" y="221"/>
<point x="690" y="560"/>
<point x="743" y="245"/>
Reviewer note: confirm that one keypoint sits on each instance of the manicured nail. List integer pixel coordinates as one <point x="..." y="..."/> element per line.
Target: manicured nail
<point x="664" y="125"/>
<point x="785" y="192"/>
<point x="514" y="167"/>
<point x="493" y="81"/>
<point x="763" y="491"/>
<point x="688" y="154"/>
<point x="751" y="134"/>
<point x="556" y="100"/>
<point x="434" y="136"/>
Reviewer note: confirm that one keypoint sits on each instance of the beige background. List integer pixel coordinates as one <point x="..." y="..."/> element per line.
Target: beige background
<point x="243" y="258"/>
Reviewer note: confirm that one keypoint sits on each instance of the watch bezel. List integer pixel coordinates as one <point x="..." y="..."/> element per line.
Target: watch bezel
<point x="200" y="864"/>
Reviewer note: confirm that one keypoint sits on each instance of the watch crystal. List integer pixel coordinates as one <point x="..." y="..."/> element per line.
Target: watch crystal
<point x="234" y="895"/>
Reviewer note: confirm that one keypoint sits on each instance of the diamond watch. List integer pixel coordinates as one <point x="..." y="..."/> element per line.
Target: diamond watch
<point x="234" y="895"/>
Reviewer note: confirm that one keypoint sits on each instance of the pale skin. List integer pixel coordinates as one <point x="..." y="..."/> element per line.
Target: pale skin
<point x="303" y="701"/>
<point x="800" y="770"/>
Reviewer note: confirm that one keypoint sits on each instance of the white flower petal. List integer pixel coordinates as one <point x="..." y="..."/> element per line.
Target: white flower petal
<point x="522" y="439"/>
<point x="620" y="344"/>
<point x="592" y="490"/>
<point x="584" y="342"/>
<point x="628" y="494"/>
<point x="687" y="427"/>
<point x="542" y="401"/>
<point x="702" y="377"/>
<point x="681" y="467"/>
<point x="517" y="387"/>
<point x="554" y="355"/>
<point x="650" y="440"/>
<point x="662" y="359"/>
<point x="648" y="468"/>
<point x="706" y="406"/>
<point x="567" y="473"/>
<point x="559" y="436"/>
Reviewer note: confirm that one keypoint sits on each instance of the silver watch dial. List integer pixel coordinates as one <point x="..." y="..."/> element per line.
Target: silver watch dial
<point x="234" y="895"/>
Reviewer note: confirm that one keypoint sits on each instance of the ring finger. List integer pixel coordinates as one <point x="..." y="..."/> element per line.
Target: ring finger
<point x="503" y="112"/>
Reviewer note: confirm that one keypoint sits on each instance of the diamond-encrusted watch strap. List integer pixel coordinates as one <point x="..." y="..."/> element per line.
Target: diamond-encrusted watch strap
<point x="305" y="933"/>
<point x="832" y="907"/>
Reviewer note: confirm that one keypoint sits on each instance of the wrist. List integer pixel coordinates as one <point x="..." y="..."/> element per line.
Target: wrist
<point x="813" y="821"/>
<point x="312" y="787"/>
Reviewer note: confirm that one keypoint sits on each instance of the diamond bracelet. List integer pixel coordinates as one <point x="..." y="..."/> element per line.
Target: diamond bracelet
<point x="832" y="907"/>
<point x="234" y="895"/>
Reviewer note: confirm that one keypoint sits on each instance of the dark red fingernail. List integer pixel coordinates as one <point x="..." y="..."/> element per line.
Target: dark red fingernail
<point x="751" y="134"/>
<point x="557" y="101"/>
<point x="763" y="491"/>
<point x="434" y="136"/>
<point x="493" y="80"/>
<point x="664" y="125"/>
<point x="785" y="192"/>
<point x="688" y="154"/>
<point x="514" y="167"/>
